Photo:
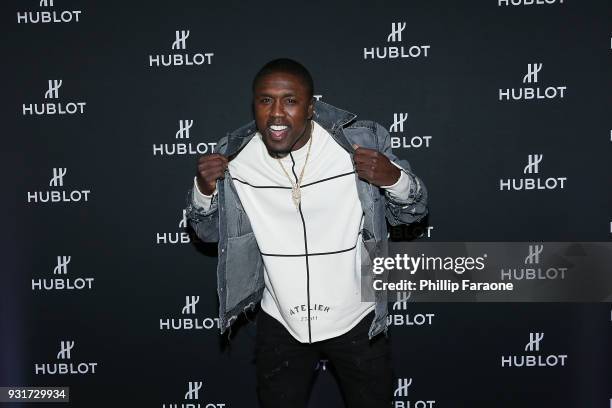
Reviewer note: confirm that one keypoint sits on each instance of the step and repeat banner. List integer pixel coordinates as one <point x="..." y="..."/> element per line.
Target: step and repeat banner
<point x="502" y="107"/>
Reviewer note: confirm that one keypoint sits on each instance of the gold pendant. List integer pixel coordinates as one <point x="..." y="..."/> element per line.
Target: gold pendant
<point x="296" y="195"/>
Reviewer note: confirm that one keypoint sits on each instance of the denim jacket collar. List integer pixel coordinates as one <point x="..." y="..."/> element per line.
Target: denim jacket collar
<point x="328" y="116"/>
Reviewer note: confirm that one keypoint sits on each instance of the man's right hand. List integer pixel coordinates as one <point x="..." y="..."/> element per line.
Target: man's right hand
<point x="211" y="167"/>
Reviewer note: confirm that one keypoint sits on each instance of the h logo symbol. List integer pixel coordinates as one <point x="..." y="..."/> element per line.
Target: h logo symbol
<point x="534" y="341"/>
<point x="532" y="163"/>
<point x="52" y="92"/>
<point x="58" y="177"/>
<point x="46" y="3"/>
<point x="534" y="254"/>
<point x="62" y="265"/>
<point x="190" y="304"/>
<point x="183" y="221"/>
<point x="65" y="347"/>
<point x="398" y="121"/>
<point x="181" y="40"/>
<point x="396" y="32"/>
<point x="192" y="390"/>
<point x="184" y="126"/>
<point x="532" y="73"/>
<point x="402" y="387"/>
<point x="402" y="300"/>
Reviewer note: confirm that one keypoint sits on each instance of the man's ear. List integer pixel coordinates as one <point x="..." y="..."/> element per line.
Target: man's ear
<point x="311" y="107"/>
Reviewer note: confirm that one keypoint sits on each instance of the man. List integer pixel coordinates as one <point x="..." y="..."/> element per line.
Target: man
<point x="297" y="200"/>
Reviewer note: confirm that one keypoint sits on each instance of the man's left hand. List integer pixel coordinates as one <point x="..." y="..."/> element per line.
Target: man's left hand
<point x="375" y="167"/>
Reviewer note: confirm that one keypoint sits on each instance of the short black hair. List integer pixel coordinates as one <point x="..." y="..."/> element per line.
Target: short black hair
<point x="288" y="66"/>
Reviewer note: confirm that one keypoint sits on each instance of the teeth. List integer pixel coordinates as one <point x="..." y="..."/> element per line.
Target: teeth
<point x="277" y="127"/>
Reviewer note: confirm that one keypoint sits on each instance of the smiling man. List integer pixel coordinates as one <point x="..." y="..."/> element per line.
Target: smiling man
<point x="297" y="200"/>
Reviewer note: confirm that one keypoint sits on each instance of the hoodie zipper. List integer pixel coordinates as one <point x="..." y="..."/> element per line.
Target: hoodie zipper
<point x="305" y="256"/>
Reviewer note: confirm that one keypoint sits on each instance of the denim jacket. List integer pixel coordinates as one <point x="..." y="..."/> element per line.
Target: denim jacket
<point x="240" y="269"/>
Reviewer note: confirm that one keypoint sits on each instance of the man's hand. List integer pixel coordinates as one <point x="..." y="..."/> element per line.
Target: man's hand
<point x="375" y="167"/>
<point x="211" y="167"/>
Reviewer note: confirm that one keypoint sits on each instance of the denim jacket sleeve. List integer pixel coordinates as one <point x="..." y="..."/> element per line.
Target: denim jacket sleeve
<point x="415" y="207"/>
<point x="205" y="222"/>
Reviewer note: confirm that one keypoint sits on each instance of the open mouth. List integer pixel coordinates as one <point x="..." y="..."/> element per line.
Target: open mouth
<point x="278" y="132"/>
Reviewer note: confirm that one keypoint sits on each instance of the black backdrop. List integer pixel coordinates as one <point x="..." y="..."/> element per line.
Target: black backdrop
<point x="460" y="136"/>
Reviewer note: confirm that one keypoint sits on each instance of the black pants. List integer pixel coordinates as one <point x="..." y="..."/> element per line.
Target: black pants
<point x="286" y="367"/>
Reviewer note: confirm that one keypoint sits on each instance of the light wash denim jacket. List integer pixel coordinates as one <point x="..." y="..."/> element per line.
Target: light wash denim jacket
<point x="240" y="269"/>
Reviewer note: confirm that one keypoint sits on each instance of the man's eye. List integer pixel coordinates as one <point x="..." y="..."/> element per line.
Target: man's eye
<point x="265" y="100"/>
<point x="291" y="101"/>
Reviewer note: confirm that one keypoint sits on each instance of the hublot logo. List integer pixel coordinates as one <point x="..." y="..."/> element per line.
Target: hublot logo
<point x="48" y="16"/>
<point x="186" y="147"/>
<point x="53" y="107"/>
<point x="531" y="183"/>
<point x="532" y="93"/>
<point x="181" y="59"/>
<point x="396" y="51"/>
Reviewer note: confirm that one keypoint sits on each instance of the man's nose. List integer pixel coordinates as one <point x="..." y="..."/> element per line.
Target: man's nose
<point x="277" y="109"/>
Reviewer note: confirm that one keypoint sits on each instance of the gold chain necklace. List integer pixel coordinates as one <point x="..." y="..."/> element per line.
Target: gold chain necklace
<point x="296" y="194"/>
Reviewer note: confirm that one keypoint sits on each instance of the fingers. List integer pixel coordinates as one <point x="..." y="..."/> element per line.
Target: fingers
<point x="367" y="174"/>
<point x="212" y="165"/>
<point x="366" y="158"/>
<point x="212" y="161"/>
<point x="215" y="157"/>
<point x="210" y="168"/>
<point x="362" y="151"/>
<point x="363" y="154"/>
<point x="373" y="166"/>
<point x="366" y="162"/>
